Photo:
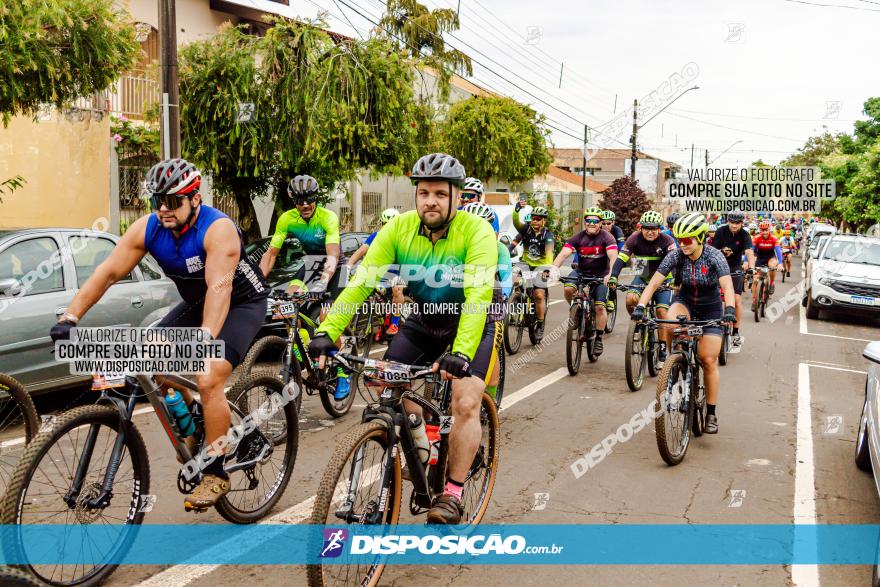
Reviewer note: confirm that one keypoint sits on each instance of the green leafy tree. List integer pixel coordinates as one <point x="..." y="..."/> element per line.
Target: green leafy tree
<point x="814" y="150"/>
<point x="10" y="185"/>
<point x="54" y="51"/>
<point x="323" y="107"/>
<point x="627" y="200"/>
<point x="418" y="31"/>
<point x="496" y="137"/>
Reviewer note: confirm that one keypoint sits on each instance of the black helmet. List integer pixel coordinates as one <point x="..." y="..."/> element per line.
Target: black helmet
<point x="303" y="186"/>
<point x="736" y="217"/>
<point x="670" y="220"/>
<point x="175" y="177"/>
<point x="438" y="167"/>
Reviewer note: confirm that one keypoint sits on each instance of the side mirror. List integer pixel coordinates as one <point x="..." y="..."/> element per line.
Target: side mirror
<point x="872" y="352"/>
<point x="10" y="287"/>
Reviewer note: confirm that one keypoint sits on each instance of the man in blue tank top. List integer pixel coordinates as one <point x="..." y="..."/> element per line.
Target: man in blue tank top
<point x="200" y="249"/>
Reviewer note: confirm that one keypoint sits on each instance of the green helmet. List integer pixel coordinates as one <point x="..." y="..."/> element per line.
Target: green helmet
<point x="651" y="219"/>
<point x="389" y="214"/>
<point x="608" y="215"/>
<point x="593" y="211"/>
<point x="691" y="225"/>
<point x="539" y="211"/>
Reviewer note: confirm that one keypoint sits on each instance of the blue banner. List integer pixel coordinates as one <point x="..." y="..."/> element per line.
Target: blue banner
<point x="265" y="544"/>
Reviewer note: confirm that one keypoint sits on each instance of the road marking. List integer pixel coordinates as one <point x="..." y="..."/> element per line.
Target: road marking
<point x="803" y="316"/>
<point x="183" y="574"/>
<point x="838" y="369"/>
<point x="804" y="474"/>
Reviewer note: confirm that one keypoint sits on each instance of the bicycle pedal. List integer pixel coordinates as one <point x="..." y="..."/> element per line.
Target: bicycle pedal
<point x="190" y="508"/>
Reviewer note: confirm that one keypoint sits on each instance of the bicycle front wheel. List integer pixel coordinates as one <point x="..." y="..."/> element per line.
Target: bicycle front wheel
<point x="19" y="423"/>
<point x="351" y="491"/>
<point x="635" y="357"/>
<point x="264" y="456"/>
<point x="672" y="426"/>
<point x="514" y="322"/>
<point x="44" y="478"/>
<point x="573" y="339"/>
<point x="758" y="302"/>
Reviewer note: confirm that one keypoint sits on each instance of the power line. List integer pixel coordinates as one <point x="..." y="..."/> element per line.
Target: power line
<point x="759" y="117"/>
<point x="732" y="128"/>
<point x="833" y="5"/>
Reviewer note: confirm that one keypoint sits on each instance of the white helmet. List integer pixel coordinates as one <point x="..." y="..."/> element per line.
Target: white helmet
<point x="472" y="184"/>
<point x="480" y="209"/>
<point x="388" y="214"/>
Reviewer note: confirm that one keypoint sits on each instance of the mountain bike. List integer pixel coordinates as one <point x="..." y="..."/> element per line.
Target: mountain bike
<point x="759" y="304"/>
<point x="371" y="326"/>
<point x="522" y="312"/>
<point x="91" y="467"/>
<point x="642" y="343"/>
<point x="681" y="395"/>
<point x="726" y="330"/>
<point x="581" y="322"/>
<point x="10" y="577"/>
<point x="611" y="308"/>
<point x="19" y="423"/>
<point x="292" y="350"/>
<point x="362" y="483"/>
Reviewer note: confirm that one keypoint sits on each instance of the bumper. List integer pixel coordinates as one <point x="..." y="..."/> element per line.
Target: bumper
<point x="830" y="299"/>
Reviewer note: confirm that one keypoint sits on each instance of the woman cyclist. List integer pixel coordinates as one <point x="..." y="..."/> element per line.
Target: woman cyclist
<point x="699" y="270"/>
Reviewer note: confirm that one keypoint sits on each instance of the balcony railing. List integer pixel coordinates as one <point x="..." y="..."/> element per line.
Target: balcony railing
<point x="131" y="96"/>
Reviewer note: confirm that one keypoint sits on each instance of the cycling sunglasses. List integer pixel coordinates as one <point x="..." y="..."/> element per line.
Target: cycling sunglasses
<point x="735" y="222"/>
<point x="302" y="200"/>
<point x="650" y="227"/>
<point x="592" y="221"/>
<point x="170" y="201"/>
<point x="686" y="241"/>
<point x="607" y="222"/>
<point x="470" y="196"/>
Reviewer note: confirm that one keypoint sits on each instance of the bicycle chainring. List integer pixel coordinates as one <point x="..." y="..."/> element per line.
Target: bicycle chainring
<point x="187" y="486"/>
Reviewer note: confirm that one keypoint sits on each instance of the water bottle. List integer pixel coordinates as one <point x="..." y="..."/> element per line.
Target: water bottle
<point x="433" y="432"/>
<point x="304" y="336"/>
<point x="177" y="407"/>
<point x="420" y="437"/>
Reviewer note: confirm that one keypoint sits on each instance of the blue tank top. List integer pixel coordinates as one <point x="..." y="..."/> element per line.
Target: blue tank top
<point x="183" y="260"/>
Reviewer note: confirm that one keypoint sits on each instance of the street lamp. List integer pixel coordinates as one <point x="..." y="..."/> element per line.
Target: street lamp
<point x="637" y="126"/>
<point x="723" y="152"/>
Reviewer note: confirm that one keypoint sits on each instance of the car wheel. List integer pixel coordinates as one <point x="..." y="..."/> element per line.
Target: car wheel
<point x="812" y="308"/>
<point x="863" y="452"/>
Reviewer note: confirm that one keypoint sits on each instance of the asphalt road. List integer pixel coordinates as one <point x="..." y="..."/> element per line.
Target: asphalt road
<point x="792" y="375"/>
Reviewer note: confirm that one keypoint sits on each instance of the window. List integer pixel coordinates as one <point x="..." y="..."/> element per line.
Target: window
<point x="580" y="170"/>
<point x="37" y="258"/>
<point x="150" y="268"/>
<point x="88" y="253"/>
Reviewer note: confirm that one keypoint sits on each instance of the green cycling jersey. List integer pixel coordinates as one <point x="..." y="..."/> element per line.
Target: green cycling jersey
<point x="458" y="269"/>
<point x="537" y="247"/>
<point x="314" y="234"/>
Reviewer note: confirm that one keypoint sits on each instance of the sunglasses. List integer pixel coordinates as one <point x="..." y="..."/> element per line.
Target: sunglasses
<point x="736" y="222"/>
<point x="469" y="196"/>
<point x="170" y="201"/>
<point x="592" y="221"/>
<point x="607" y="223"/>
<point x="650" y="228"/>
<point x="302" y="201"/>
<point x="538" y="217"/>
<point x="686" y="241"/>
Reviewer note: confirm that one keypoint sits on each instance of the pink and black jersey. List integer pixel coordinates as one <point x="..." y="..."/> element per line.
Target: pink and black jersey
<point x="592" y="252"/>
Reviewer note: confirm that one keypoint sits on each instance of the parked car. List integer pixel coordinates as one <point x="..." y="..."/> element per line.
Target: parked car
<point x="819" y="228"/>
<point x="40" y="271"/>
<point x="813" y="253"/>
<point x="846" y="276"/>
<point x="868" y="436"/>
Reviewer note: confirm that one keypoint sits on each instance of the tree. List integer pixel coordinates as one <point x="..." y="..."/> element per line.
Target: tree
<point x="10" y="185"/>
<point x="814" y="150"/>
<point x="323" y="107"/>
<point x="57" y="50"/>
<point x="627" y="200"/>
<point x="862" y="207"/>
<point x="496" y="137"/>
<point x="418" y="32"/>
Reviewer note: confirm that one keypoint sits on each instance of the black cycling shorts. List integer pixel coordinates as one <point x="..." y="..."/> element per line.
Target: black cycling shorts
<point x="764" y="261"/>
<point x="738" y="279"/>
<point x="416" y="345"/>
<point x="711" y="311"/>
<point x="238" y="332"/>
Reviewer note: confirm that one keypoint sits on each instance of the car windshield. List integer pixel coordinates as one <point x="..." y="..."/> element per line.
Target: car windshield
<point x="864" y="251"/>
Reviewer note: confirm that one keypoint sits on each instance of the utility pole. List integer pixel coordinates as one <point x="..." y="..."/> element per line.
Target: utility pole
<point x="707" y="158"/>
<point x="170" y="97"/>
<point x="632" y="171"/>
<point x="692" y="155"/>
<point x="584" y="179"/>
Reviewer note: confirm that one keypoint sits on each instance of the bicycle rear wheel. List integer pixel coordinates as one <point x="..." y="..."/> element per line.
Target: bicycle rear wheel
<point x="698" y="401"/>
<point x="480" y="479"/>
<point x="758" y="302"/>
<point x="19" y="423"/>
<point x="652" y="351"/>
<point x="514" y="322"/>
<point x="269" y="451"/>
<point x="725" y="344"/>
<point x="573" y="345"/>
<point x="635" y="357"/>
<point x="43" y="477"/>
<point x="351" y="490"/>
<point x="612" y="316"/>
<point x="672" y="426"/>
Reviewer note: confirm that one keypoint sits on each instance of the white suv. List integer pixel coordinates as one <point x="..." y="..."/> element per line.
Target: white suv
<point x="846" y="276"/>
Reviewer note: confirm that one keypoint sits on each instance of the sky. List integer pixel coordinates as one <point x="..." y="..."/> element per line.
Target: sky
<point x="770" y="73"/>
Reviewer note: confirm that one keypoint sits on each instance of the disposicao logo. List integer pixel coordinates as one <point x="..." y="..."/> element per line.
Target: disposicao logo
<point x="334" y="542"/>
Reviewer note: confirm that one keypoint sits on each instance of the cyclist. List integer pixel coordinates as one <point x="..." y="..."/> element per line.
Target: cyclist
<point x="198" y="248"/>
<point x="699" y="270"/>
<point x="786" y="244"/>
<point x="736" y="245"/>
<point x="397" y="300"/>
<point x="538" y="247"/>
<point x="503" y="287"/>
<point x="317" y="228"/>
<point x="768" y="255"/>
<point x="711" y="234"/>
<point x="597" y="252"/>
<point x="608" y="218"/>
<point x="472" y="191"/>
<point x="440" y="242"/>
<point x="670" y="222"/>
<point x="647" y="247"/>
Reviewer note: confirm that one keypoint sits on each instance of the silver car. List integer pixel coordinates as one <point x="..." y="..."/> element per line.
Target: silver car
<point x="40" y="271"/>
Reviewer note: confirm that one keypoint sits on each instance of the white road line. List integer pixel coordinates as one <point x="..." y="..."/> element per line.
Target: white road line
<point x="812" y="364"/>
<point x="803" y="315"/>
<point x="804" y="478"/>
<point x="180" y="575"/>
